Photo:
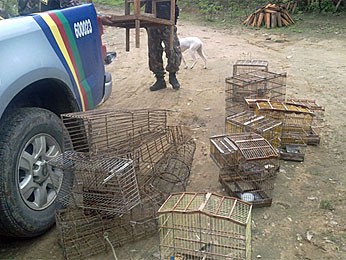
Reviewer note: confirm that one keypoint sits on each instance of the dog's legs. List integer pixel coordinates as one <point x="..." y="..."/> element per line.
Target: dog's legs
<point x="192" y="53"/>
<point x="184" y="61"/>
<point x="201" y="53"/>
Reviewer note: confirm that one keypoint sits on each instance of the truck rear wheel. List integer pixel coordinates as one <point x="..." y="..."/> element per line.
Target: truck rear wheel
<point x="29" y="138"/>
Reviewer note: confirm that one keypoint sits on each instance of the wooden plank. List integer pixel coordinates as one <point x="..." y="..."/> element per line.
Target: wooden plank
<point x="273" y="20"/>
<point x="267" y="20"/>
<point x="260" y="19"/>
<point x="279" y="20"/>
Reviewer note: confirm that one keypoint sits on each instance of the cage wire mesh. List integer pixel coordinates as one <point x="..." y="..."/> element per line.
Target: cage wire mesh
<point x="245" y="66"/>
<point x="297" y="121"/>
<point x="318" y="120"/>
<point x="112" y="131"/>
<point x="102" y="184"/>
<point x="204" y="226"/>
<point x="255" y="84"/>
<point x="82" y="232"/>
<point x="248" y="121"/>
<point x="249" y="166"/>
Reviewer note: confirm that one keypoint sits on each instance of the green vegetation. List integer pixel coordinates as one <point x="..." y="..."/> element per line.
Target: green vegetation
<point x="326" y="204"/>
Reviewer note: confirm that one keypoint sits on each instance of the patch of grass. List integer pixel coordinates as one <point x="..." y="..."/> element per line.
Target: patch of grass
<point x="109" y="2"/>
<point x="326" y="204"/>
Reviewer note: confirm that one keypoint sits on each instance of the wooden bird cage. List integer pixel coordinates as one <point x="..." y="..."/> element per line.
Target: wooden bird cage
<point x="248" y="121"/>
<point x="135" y="18"/>
<point x="250" y="169"/>
<point x="255" y="84"/>
<point x="205" y="226"/>
<point x="246" y="66"/>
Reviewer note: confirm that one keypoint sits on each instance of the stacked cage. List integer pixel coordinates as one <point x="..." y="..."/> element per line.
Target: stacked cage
<point x="245" y="66"/>
<point x="85" y="233"/>
<point x="255" y="84"/>
<point x="296" y="119"/>
<point x="205" y="226"/>
<point x="120" y="163"/>
<point x="248" y="166"/>
<point x="248" y="121"/>
<point x="317" y="121"/>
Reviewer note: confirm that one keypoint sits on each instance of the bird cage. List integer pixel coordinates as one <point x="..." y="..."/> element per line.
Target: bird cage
<point x="98" y="132"/>
<point x="81" y="235"/>
<point x="255" y="84"/>
<point x="84" y="234"/>
<point x="318" y="119"/>
<point x="236" y="151"/>
<point x="102" y="184"/>
<point x="204" y="226"/>
<point x="257" y="191"/>
<point x="245" y="66"/>
<point x="248" y="121"/>
<point x="254" y="166"/>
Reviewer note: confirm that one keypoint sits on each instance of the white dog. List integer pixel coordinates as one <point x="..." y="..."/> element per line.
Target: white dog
<point x="194" y="45"/>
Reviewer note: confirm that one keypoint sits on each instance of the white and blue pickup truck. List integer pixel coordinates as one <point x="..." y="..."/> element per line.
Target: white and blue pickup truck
<point x="51" y="63"/>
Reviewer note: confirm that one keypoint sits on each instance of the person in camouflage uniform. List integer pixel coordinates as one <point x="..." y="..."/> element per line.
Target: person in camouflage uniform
<point x="158" y="35"/>
<point x="35" y="6"/>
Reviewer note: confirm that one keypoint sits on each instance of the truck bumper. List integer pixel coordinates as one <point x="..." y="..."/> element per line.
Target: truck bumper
<point x="107" y="87"/>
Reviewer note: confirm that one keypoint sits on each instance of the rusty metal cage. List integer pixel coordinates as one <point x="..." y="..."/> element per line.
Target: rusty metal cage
<point x="205" y="226"/>
<point x="255" y="84"/>
<point x="101" y="184"/>
<point x="112" y="131"/>
<point x="83" y="233"/>
<point x="245" y="66"/>
<point x="80" y="235"/>
<point x="248" y="121"/>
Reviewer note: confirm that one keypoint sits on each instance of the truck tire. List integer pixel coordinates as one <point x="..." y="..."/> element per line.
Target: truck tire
<point x="29" y="138"/>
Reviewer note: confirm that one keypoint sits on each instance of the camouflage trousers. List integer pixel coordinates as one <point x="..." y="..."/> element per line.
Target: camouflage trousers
<point x="156" y="36"/>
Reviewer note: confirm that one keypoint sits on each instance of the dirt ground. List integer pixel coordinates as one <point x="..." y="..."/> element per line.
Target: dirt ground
<point x="307" y="217"/>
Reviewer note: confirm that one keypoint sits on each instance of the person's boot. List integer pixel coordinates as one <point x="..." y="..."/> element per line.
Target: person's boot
<point x="173" y="80"/>
<point x="160" y="82"/>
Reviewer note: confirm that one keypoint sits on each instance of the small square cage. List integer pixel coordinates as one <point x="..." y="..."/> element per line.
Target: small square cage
<point x="318" y="120"/>
<point x="256" y="190"/>
<point x="205" y="226"/>
<point x="255" y="84"/>
<point x="248" y="152"/>
<point x="245" y="66"/>
<point x="248" y="121"/>
<point x="106" y="185"/>
<point x="111" y="131"/>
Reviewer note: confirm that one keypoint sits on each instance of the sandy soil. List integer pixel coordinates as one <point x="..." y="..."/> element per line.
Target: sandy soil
<point x="295" y="226"/>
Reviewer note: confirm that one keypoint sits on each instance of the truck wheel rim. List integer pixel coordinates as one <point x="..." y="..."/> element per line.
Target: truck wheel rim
<point x="39" y="182"/>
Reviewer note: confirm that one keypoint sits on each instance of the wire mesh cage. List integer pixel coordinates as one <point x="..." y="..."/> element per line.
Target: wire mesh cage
<point x="255" y="84"/>
<point x="102" y="184"/>
<point x="83" y="233"/>
<point x="80" y="235"/>
<point x="245" y="66"/>
<point x="205" y="226"/>
<point x="248" y="121"/>
<point x="112" y="131"/>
